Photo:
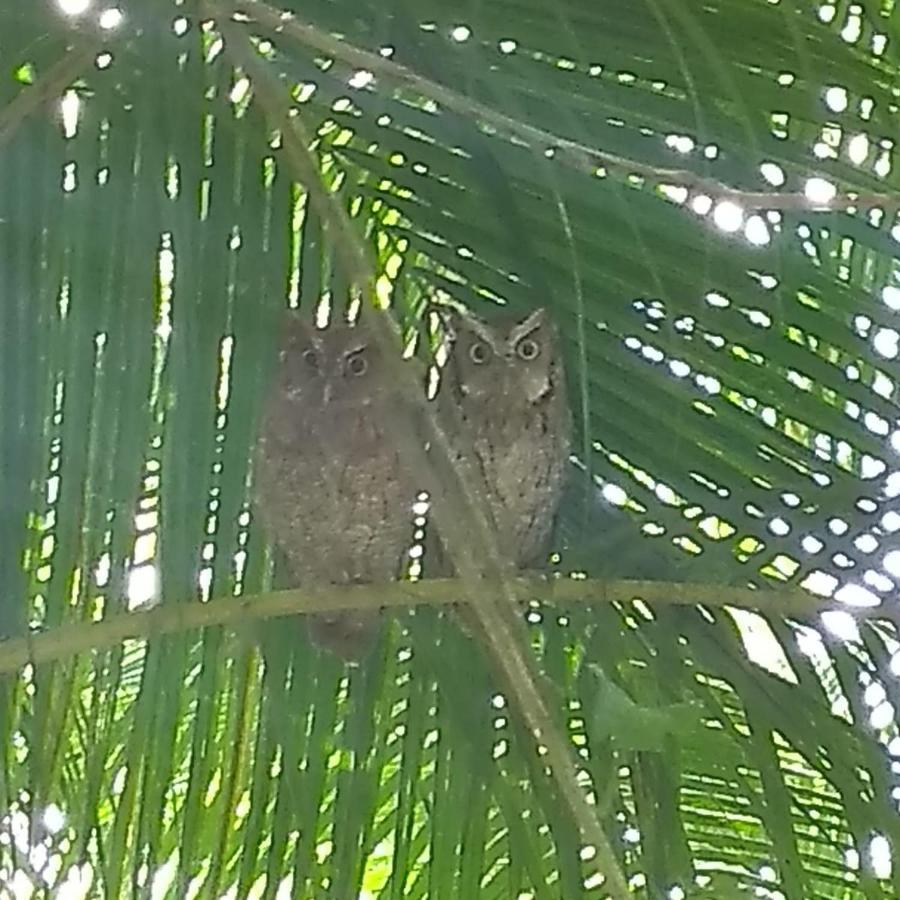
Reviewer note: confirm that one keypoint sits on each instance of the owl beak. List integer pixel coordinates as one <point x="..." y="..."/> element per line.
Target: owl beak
<point x="536" y="386"/>
<point x="326" y="394"/>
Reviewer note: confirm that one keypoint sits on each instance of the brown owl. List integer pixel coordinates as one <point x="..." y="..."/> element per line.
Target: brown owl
<point x="329" y="487"/>
<point x="507" y="382"/>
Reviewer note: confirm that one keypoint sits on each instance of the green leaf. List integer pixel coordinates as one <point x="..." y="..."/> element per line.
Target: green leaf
<point x="633" y="726"/>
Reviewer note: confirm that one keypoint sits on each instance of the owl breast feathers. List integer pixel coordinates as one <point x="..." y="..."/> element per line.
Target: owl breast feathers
<point x="329" y="486"/>
<point x="328" y="481"/>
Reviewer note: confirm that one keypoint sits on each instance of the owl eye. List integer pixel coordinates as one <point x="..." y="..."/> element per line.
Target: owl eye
<point x="479" y="353"/>
<point x="311" y="359"/>
<point x="357" y="364"/>
<point x="528" y="349"/>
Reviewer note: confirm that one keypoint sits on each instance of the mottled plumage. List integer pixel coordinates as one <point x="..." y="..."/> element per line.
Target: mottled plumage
<point x="328" y="482"/>
<point x="507" y="382"/>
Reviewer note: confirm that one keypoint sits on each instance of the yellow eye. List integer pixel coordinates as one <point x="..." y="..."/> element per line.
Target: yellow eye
<point x="528" y="349"/>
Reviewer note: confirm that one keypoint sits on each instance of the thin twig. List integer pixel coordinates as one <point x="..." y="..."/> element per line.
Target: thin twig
<point x="572" y="153"/>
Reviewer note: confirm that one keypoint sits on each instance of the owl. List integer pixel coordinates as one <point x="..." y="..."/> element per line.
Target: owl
<point x="507" y="382"/>
<point x="328" y="483"/>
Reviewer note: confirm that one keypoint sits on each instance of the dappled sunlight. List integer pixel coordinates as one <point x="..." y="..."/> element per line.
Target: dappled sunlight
<point x="41" y="848"/>
<point x="143" y="587"/>
<point x="73" y="7"/>
<point x="686" y="684"/>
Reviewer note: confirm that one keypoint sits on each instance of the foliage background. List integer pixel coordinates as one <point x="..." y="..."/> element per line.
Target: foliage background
<point x="734" y="395"/>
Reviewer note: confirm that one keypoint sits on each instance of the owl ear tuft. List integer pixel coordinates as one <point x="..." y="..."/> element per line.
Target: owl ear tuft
<point x="459" y="319"/>
<point x="449" y="317"/>
<point x="534" y="320"/>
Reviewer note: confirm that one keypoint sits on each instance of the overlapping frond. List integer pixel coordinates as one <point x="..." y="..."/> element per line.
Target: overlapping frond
<point x="733" y="375"/>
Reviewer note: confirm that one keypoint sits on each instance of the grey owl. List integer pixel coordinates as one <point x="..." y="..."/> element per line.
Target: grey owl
<point x="507" y="381"/>
<point x="328" y="482"/>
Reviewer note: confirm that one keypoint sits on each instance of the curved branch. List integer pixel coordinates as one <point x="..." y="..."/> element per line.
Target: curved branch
<point x="571" y="153"/>
<point x="169" y="618"/>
